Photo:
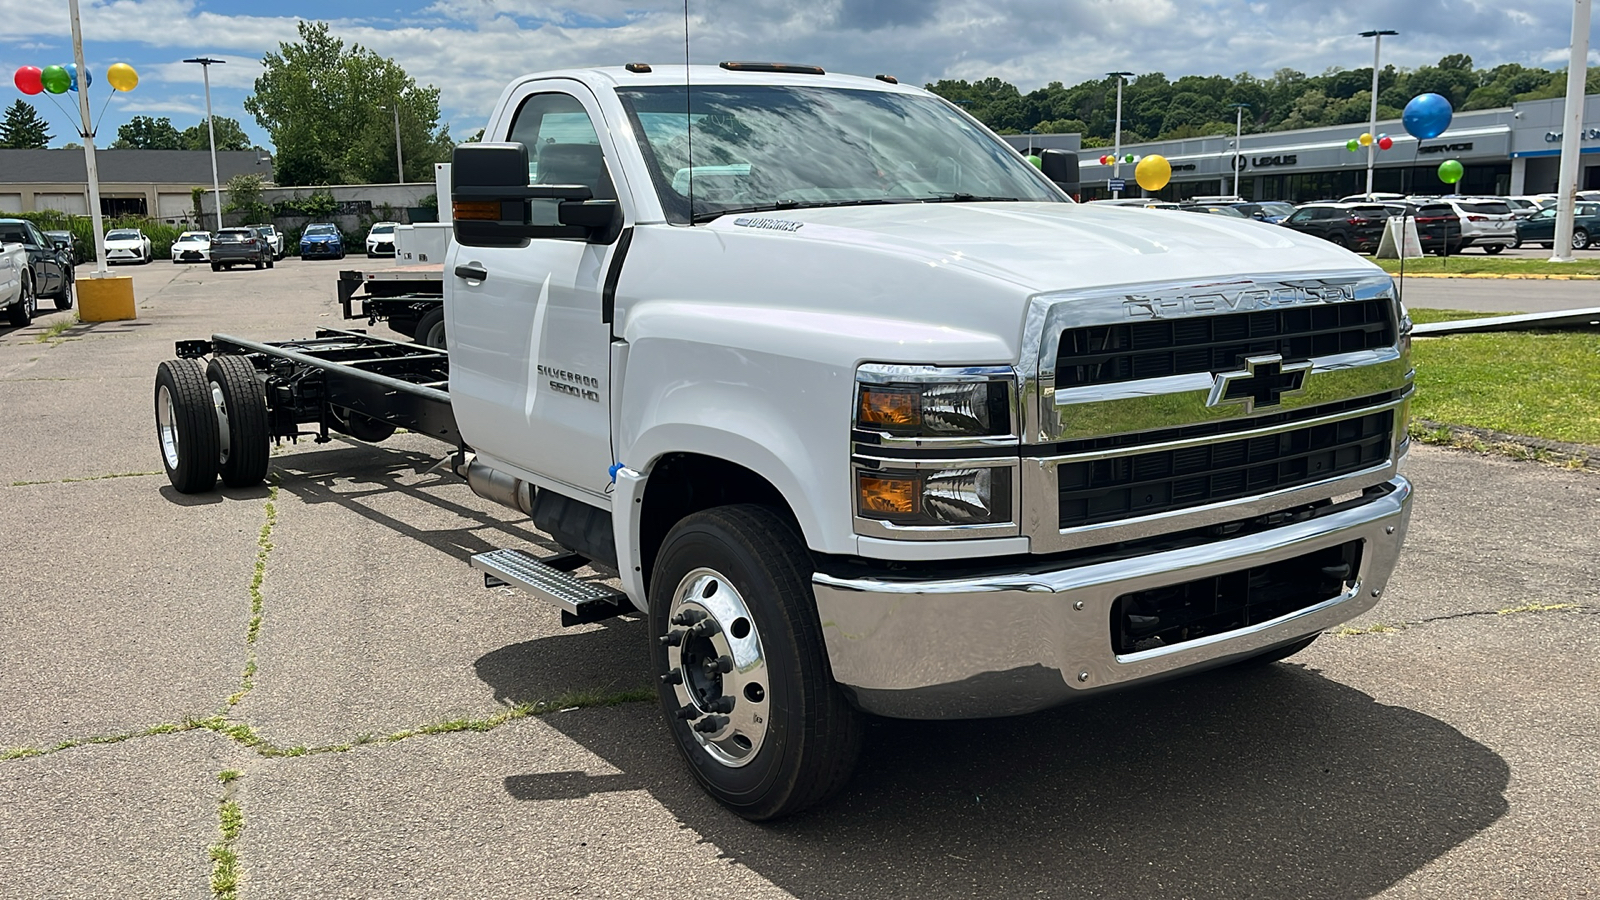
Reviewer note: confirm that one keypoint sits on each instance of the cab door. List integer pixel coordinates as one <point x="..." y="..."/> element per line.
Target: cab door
<point x="530" y="349"/>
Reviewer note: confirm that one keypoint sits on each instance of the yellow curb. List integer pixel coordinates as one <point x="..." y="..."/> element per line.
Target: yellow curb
<point x="1504" y="277"/>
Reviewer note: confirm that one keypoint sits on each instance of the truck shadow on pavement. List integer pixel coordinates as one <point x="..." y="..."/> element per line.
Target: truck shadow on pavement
<point x="1273" y="782"/>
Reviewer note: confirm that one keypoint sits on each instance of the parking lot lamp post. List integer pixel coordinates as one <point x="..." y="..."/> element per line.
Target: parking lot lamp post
<point x="1372" y="118"/>
<point x="1238" y="132"/>
<point x="400" y="161"/>
<point x="1571" y="133"/>
<point x="1116" y="140"/>
<point x="205" y="63"/>
<point x="90" y="169"/>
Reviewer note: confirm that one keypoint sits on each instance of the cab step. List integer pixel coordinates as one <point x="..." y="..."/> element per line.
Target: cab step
<point x="580" y="601"/>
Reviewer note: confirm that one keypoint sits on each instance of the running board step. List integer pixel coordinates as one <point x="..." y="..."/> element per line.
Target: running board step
<point x="580" y="601"/>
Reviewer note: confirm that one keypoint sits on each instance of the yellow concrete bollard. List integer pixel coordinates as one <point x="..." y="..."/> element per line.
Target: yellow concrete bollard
<point x="105" y="299"/>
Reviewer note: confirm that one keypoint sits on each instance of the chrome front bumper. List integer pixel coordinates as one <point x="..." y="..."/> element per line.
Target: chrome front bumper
<point x="1014" y="643"/>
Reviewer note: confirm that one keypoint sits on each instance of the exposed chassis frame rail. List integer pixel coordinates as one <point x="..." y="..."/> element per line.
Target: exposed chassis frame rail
<point x="346" y="381"/>
<point x="398" y="295"/>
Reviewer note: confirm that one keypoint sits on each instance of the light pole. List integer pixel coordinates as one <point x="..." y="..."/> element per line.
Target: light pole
<point x="88" y="147"/>
<point x="400" y="161"/>
<point x="1238" y="133"/>
<point x="1372" y="117"/>
<point x="1571" y="133"/>
<point x="1116" y="141"/>
<point x="205" y="63"/>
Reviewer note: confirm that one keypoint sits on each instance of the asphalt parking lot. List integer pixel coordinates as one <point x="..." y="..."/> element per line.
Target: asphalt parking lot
<point x="322" y="641"/>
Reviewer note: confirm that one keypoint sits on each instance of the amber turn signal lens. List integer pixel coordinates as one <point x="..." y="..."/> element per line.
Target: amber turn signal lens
<point x="888" y="406"/>
<point x="880" y="494"/>
<point x="477" y="209"/>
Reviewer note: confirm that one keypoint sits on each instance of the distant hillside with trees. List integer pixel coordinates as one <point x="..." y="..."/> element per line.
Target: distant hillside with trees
<point x="1156" y="108"/>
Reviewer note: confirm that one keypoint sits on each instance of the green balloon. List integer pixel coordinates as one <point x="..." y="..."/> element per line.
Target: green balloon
<point x="56" y="79"/>
<point x="1352" y="144"/>
<point x="1037" y="162"/>
<point x="1450" y="171"/>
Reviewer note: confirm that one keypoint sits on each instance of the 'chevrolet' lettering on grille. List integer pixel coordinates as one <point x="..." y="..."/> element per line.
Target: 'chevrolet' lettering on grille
<point x="1263" y="381"/>
<point x="1210" y="302"/>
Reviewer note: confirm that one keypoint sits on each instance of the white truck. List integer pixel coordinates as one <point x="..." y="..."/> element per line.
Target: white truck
<point x="17" y="296"/>
<point x="865" y="414"/>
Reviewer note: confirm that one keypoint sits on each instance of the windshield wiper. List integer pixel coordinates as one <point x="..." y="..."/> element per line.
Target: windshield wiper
<point x="957" y="197"/>
<point x="783" y="205"/>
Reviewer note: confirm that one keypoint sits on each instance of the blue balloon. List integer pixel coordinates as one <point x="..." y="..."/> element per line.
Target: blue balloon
<point x="72" y="69"/>
<point x="1427" y="116"/>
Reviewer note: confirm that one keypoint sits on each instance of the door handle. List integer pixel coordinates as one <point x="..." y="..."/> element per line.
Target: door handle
<point x="472" y="272"/>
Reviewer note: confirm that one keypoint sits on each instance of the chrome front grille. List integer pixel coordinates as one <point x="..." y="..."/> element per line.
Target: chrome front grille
<point x="1131" y="436"/>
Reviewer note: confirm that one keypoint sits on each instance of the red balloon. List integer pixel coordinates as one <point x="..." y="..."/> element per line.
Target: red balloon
<point x="1385" y="143"/>
<point x="27" y="79"/>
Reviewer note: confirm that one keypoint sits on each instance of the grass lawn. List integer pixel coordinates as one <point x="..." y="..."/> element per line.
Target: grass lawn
<point x="1482" y="264"/>
<point x="1537" y="384"/>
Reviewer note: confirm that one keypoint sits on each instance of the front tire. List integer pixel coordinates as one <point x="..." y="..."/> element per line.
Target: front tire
<point x="63" y="300"/>
<point x="186" y="426"/>
<point x="1493" y="249"/>
<point x="746" y="689"/>
<point x="1580" y="239"/>
<point x="241" y="410"/>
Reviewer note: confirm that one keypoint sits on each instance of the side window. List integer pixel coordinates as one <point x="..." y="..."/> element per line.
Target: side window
<point x="1303" y="215"/>
<point x="563" y="147"/>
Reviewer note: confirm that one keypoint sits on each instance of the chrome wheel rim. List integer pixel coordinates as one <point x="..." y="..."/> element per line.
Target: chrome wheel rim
<point x="166" y="428"/>
<point x="718" y="668"/>
<point x="220" y="405"/>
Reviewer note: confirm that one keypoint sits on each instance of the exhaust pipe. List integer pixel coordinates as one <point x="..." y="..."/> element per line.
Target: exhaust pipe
<point x="496" y="486"/>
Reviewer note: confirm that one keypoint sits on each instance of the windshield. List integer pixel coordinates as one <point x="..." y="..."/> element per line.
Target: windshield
<point x="771" y="147"/>
<point x="122" y="235"/>
<point x="320" y="229"/>
<point x="383" y="229"/>
<point x="193" y="237"/>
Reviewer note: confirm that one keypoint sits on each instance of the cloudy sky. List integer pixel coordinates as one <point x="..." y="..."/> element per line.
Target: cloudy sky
<point x="470" y="48"/>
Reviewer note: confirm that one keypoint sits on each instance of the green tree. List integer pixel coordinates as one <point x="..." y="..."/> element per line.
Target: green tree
<point x="145" y="133"/>
<point x="22" y="129"/>
<point x="320" y="100"/>
<point x="244" y="196"/>
<point x="230" y="136"/>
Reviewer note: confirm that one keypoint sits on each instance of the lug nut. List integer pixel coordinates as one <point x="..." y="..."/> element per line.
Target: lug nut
<point x="687" y="617"/>
<point x="673" y="677"/>
<point x="704" y="628"/>
<point x="710" y="724"/>
<point x="719" y="666"/>
<point x="689" y="713"/>
<point x="673" y="638"/>
<point x="723" y="704"/>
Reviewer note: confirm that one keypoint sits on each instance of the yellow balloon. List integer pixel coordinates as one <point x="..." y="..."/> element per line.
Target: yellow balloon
<point x="1153" y="172"/>
<point x="122" y="77"/>
<point x="1365" y="140"/>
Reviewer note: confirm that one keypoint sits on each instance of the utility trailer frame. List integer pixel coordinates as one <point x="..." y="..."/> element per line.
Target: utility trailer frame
<point x="345" y="381"/>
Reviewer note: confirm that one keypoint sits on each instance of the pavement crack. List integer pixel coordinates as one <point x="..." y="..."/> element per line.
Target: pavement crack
<point x="84" y="478"/>
<point x="1525" y="609"/>
<point x="247" y="681"/>
<point x="224" y="853"/>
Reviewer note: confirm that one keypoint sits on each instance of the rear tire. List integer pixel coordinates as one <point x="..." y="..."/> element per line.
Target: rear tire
<point x="1580" y="239"/>
<point x="1340" y="240"/>
<point x="216" y="267"/>
<point x="269" y="260"/>
<point x="1493" y="249"/>
<point x="186" y="426"/>
<point x="260" y="265"/>
<point x="430" y="330"/>
<point x="788" y="739"/>
<point x="21" y="312"/>
<point x="64" y="299"/>
<point x="241" y="409"/>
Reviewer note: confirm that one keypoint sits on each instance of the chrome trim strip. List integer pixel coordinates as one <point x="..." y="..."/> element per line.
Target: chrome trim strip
<point x="885" y="373"/>
<point x="976" y="462"/>
<point x="1230" y="436"/>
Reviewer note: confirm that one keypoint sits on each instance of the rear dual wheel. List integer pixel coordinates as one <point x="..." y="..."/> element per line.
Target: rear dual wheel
<point x="211" y="421"/>
<point x="745" y="684"/>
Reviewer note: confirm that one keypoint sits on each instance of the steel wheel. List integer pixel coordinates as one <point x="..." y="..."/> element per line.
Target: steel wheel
<point x="721" y="668"/>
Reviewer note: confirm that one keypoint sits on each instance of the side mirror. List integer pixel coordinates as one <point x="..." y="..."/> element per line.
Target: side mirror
<point x="493" y="204"/>
<point x="1060" y="166"/>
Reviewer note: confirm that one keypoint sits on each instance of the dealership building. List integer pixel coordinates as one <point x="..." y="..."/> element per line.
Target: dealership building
<point x="154" y="183"/>
<point x="1510" y="150"/>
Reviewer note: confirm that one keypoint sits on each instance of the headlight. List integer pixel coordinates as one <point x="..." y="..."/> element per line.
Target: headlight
<point x="935" y="402"/>
<point x="959" y="495"/>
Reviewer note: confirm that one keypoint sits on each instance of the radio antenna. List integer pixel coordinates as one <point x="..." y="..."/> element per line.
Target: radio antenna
<point x="688" y="121"/>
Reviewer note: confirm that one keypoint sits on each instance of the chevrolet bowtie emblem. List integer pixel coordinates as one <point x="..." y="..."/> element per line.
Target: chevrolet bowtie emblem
<point x="1263" y="381"/>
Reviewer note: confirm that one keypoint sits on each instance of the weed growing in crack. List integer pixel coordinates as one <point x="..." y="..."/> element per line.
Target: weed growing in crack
<point x="224" y="858"/>
<point x="247" y="680"/>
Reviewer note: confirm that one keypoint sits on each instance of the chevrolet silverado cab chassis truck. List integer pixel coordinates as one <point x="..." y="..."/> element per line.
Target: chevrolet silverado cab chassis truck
<point x="865" y="413"/>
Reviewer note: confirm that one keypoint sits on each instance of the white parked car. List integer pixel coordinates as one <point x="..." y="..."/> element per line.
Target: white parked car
<point x="127" y="245"/>
<point x="1486" y="222"/>
<point x="192" y="246"/>
<point x="274" y="239"/>
<point x="380" y="240"/>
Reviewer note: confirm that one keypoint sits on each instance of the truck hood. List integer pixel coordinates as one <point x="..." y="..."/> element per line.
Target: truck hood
<point x="1060" y="246"/>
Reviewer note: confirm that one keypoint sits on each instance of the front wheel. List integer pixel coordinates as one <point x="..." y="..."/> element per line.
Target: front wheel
<point x="1580" y="239"/>
<point x="1493" y="249"/>
<point x="745" y="684"/>
<point x="22" y="311"/>
<point x="64" y="299"/>
<point x="1516" y="243"/>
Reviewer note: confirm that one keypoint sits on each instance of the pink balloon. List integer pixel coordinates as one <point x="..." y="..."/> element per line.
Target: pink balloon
<point x="27" y="80"/>
<point x="1385" y="143"/>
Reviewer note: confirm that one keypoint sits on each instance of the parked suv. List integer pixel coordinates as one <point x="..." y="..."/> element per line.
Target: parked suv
<point x="1486" y="222"/>
<point x="1354" y="226"/>
<point x="238" y="246"/>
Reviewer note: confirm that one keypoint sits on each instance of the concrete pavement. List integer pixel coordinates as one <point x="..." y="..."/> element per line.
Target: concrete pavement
<point x="389" y="728"/>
